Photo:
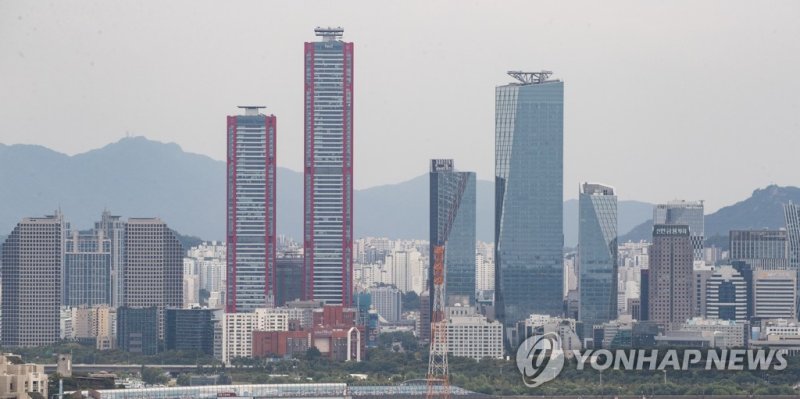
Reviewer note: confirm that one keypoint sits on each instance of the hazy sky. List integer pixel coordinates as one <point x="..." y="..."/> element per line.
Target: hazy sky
<point x="696" y="100"/>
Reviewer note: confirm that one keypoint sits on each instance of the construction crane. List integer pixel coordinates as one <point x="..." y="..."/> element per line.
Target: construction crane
<point x="438" y="373"/>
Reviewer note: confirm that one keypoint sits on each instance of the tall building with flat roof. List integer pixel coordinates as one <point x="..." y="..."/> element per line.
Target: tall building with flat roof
<point x="597" y="255"/>
<point x="251" y="252"/>
<point x="529" y="196"/>
<point x="682" y="212"/>
<point x="153" y="267"/>
<point x="726" y="295"/>
<point x="761" y="249"/>
<point x="113" y="228"/>
<point x="775" y="294"/>
<point x="328" y="168"/>
<point x="87" y="269"/>
<point x="671" y="277"/>
<point x="452" y="225"/>
<point x="32" y="260"/>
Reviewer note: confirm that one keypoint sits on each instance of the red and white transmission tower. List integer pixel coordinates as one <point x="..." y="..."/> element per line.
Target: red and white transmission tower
<point x="438" y="373"/>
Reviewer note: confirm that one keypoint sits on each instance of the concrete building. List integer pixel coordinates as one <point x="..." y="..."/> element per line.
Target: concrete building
<point x="688" y="213"/>
<point x="238" y="328"/>
<point x="328" y="168"/>
<point x="775" y="294"/>
<point x="280" y="343"/>
<point x="597" y="256"/>
<point x="32" y="262"/>
<point x="725" y="333"/>
<point x="251" y="210"/>
<point x="671" y="286"/>
<point x="529" y="200"/>
<point x="388" y="301"/>
<point x="484" y="273"/>
<point x="726" y="295"/>
<point x="20" y="380"/>
<point x="95" y="324"/>
<point x="761" y="249"/>
<point x="153" y="267"/>
<point x="471" y="335"/>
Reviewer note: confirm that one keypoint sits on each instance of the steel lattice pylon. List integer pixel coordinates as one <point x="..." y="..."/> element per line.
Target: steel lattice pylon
<point x="438" y="373"/>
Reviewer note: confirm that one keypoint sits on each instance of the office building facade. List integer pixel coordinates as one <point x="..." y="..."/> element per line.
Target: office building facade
<point x="32" y="260"/>
<point x="775" y="294"/>
<point x="388" y="301"/>
<point x="452" y="225"/>
<point x="681" y="212"/>
<point x="87" y="269"/>
<point x="251" y="239"/>
<point x="137" y="329"/>
<point x="190" y="330"/>
<point x="761" y="249"/>
<point x="529" y="238"/>
<point x="113" y="229"/>
<point x="791" y="213"/>
<point x="153" y="267"/>
<point x="328" y="168"/>
<point x="671" y="283"/>
<point x="726" y="295"/>
<point x="597" y="255"/>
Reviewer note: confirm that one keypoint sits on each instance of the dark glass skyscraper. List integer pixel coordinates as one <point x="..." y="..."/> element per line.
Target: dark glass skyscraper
<point x="328" y="168"/>
<point x="529" y="238"/>
<point x="452" y="224"/>
<point x="597" y="255"/>
<point x="251" y="211"/>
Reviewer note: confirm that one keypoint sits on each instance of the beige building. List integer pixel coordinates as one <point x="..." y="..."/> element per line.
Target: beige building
<point x="237" y="330"/>
<point x="97" y="322"/>
<point x="19" y="380"/>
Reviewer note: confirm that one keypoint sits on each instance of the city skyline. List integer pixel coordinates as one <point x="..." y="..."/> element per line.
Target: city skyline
<point x="616" y="98"/>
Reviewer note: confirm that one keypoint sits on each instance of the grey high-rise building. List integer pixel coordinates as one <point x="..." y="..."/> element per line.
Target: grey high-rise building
<point x="452" y="225"/>
<point x="529" y="171"/>
<point x="328" y="168"/>
<point x="792" y="215"/>
<point x="726" y="295"/>
<point x="153" y="267"/>
<point x="761" y="249"/>
<point x="113" y="228"/>
<point x="671" y="283"/>
<point x="688" y="213"/>
<point x="597" y="255"/>
<point x="388" y="301"/>
<point x="87" y="269"/>
<point x="251" y="184"/>
<point x="32" y="261"/>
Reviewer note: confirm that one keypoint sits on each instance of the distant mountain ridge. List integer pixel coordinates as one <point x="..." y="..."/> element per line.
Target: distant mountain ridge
<point x="762" y="210"/>
<point x="140" y="177"/>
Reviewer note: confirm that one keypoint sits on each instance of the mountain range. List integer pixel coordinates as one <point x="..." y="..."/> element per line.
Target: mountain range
<point x="137" y="177"/>
<point x="762" y="210"/>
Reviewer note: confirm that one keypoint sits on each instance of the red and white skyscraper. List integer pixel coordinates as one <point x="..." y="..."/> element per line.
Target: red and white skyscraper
<point x="328" y="200"/>
<point x="251" y="211"/>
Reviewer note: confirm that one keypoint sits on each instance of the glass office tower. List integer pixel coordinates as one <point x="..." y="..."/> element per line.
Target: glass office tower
<point x="452" y="224"/>
<point x="328" y="168"/>
<point x="597" y="255"/>
<point x="251" y="211"/>
<point x="529" y="239"/>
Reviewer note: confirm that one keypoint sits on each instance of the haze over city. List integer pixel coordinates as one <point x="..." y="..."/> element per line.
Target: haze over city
<point x="662" y="101"/>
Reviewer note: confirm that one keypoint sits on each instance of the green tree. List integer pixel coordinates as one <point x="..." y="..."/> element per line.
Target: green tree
<point x="153" y="375"/>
